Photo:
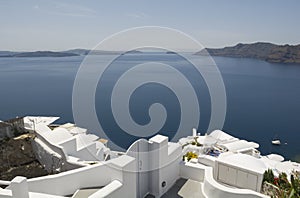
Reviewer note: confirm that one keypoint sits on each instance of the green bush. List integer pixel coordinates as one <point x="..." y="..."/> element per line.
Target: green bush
<point x="268" y="176"/>
<point x="287" y="189"/>
<point x="283" y="182"/>
<point x="295" y="184"/>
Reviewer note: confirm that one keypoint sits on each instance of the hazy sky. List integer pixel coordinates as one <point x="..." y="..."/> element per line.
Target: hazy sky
<point x="64" y="24"/>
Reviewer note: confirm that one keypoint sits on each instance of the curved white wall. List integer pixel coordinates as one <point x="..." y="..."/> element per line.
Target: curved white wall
<point x="213" y="189"/>
<point x="67" y="183"/>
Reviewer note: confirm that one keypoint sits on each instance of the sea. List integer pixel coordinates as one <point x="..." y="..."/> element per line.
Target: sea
<point x="262" y="99"/>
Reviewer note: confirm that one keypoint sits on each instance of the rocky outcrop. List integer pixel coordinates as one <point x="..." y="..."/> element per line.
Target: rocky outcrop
<point x="264" y="51"/>
<point x="17" y="158"/>
<point x="285" y="54"/>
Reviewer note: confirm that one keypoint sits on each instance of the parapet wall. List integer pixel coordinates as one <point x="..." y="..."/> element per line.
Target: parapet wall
<point x="100" y="175"/>
<point x="211" y="188"/>
<point x="52" y="157"/>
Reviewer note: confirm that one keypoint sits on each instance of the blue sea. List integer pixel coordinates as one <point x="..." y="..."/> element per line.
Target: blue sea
<point x="263" y="99"/>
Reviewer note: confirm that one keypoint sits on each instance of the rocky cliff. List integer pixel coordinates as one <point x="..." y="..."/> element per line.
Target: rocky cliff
<point x="264" y="51"/>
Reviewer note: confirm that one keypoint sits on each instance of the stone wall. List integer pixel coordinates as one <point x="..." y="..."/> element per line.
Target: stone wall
<point x="11" y="128"/>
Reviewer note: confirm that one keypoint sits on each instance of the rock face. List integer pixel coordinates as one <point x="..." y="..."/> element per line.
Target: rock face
<point x="285" y="54"/>
<point x="264" y="51"/>
<point x="17" y="159"/>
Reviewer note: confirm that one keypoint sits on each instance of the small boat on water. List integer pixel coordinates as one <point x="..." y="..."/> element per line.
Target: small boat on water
<point x="276" y="142"/>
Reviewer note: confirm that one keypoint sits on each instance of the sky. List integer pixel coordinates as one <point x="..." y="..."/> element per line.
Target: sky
<point x="66" y="24"/>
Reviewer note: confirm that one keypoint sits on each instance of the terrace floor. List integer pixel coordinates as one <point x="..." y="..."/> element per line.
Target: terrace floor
<point x="181" y="188"/>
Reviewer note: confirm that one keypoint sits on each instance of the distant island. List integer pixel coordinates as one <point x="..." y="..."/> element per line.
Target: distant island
<point x="72" y="52"/>
<point x="169" y="52"/>
<point x="7" y="54"/>
<point x="265" y="51"/>
<point x="132" y="52"/>
<point x="43" y="54"/>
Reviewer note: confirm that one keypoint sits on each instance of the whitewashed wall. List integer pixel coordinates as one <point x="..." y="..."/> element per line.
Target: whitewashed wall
<point x="52" y="157"/>
<point x="67" y="183"/>
<point x="211" y="188"/>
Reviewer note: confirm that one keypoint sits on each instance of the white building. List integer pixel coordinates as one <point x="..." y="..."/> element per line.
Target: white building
<point x="64" y="147"/>
<point x="225" y="167"/>
<point x="240" y="170"/>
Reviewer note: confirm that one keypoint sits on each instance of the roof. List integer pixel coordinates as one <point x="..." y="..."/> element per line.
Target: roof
<point x="77" y="130"/>
<point x="57" y="135"/>
<point x="67" y="125"/>
<point x="243" y="161"/>
<point x="209" y="140"/>
<point x="158" y="139"/>
<point x="41" y="128"/>
<point x="275" y="157"/>
<point x="288" y="167"/>
<point x="85" y="139"/>
<point x="30" y="121"/>
<point x="221" y="136"/>
<point x="240" y="145"/>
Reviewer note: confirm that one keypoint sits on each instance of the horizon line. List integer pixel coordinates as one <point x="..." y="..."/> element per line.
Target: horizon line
<point x="184" y="50"/>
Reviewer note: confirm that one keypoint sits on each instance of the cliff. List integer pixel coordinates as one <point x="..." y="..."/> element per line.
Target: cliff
<point x="264" y="51"/>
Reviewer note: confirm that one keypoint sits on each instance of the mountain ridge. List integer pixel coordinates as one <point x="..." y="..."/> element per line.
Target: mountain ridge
<point x="66" y="53"/>
<point x="260" y="50"/>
